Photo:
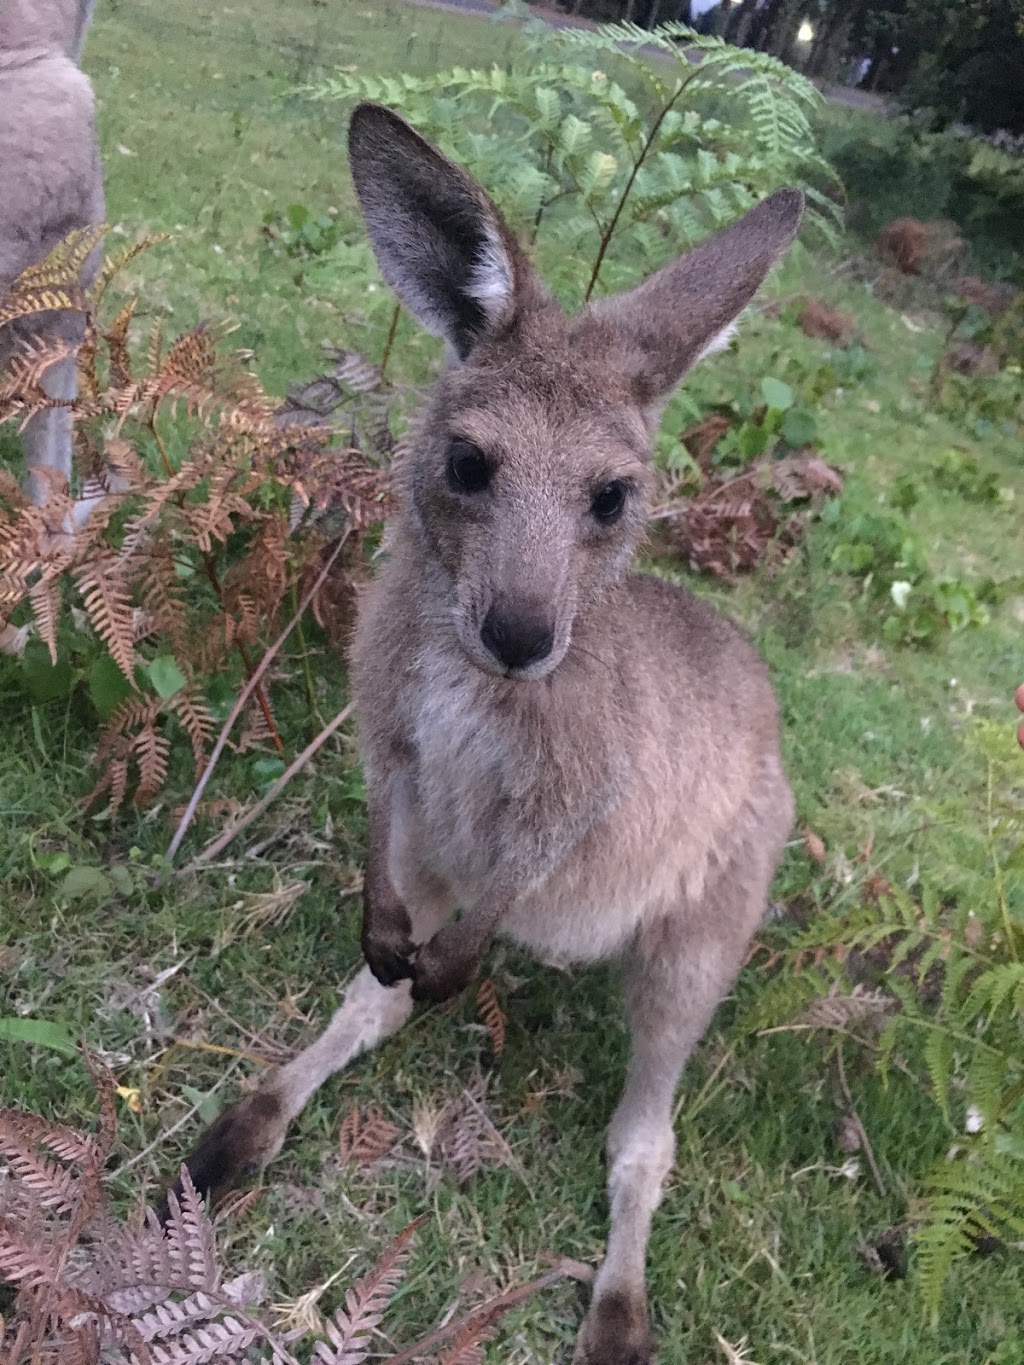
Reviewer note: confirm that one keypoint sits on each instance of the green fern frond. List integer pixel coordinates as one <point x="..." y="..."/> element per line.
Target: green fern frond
<point x="980" y="1194"/>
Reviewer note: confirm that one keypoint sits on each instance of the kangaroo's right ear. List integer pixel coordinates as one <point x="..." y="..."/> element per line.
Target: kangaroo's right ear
<point x="439" y="241"/>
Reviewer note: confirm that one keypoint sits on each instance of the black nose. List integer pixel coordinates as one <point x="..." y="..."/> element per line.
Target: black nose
<point x="516" y="640"/>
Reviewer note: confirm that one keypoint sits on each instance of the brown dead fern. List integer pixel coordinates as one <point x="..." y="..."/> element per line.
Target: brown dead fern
<point x="196" y="506"/>
<point x="492" y="1015"/>
<point x="365" y="1136"/>
<point x="91" y="1289"/>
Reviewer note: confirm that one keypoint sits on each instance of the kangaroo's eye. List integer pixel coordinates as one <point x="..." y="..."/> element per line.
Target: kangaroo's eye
<point x="607" y="504"/>
<point x="468" y="468"/>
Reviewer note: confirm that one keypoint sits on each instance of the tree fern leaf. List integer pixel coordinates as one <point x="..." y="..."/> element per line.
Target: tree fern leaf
<point x="993" y="988"/>
<point x="938" y="1055"/>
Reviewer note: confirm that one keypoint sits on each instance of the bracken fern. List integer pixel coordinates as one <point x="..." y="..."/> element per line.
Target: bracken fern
<point x="196" y="505"/>
<point x="952" y="968"/>
<point x="588" y="168"/>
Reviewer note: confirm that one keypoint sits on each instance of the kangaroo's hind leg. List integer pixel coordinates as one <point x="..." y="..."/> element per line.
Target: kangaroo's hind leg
<point x="680" y="968"/>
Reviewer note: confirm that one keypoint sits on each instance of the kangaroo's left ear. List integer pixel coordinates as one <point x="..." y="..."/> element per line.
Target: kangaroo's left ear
<point x="656" y="331"/>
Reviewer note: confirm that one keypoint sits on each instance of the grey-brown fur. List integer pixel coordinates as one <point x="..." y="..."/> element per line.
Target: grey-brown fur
<point x="51" y="183"/>
<point x="615" y="791"/>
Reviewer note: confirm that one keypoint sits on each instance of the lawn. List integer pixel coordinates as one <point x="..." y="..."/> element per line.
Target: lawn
<point x="763" y="1228"/>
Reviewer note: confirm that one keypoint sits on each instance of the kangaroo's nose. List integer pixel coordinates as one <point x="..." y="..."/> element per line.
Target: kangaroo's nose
<point x="516" y="640"/>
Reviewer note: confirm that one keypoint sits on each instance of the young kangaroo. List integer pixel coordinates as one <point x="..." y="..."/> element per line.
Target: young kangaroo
<point x="50" y="183"/>
<point x="580" y="758"/>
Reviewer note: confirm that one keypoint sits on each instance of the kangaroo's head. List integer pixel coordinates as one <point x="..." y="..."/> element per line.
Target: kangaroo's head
<point x="528" y="488"/>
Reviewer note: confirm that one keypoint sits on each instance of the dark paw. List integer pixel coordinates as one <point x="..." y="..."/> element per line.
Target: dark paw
<point x="389" y="955"/>
<point x="616" y="1331"/>
<point x="244" y="1138"/>
<point x="441" y="970"/>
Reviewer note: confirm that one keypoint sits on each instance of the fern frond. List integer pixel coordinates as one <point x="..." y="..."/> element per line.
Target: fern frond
<point x="492" y="1015"/>
<point x="150" y="750"/>
<point x="45" y="598"/>
<point x="105" y="597"/>
<point x="116" y="337"/>
<point x="22" y="1265"/>
<point x="194" y="714"/>
<point x="114" y="265"/>
<point x="981" y="1194"/>
<point x="350" y="1333"/>
<point x="63" y="266"/>
<point x="47" y="299"/>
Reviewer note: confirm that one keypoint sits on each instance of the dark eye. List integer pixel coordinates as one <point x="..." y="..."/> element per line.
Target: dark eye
<point x="468" y="468"/>
<point x="607" y="504"/>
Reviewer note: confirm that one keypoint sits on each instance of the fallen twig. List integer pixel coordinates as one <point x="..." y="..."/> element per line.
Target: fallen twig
<point x="862" y="1133"/>
<point x="245" y="820"/>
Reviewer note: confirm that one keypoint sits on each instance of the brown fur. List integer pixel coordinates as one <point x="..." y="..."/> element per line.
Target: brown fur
<point x="617" y="794"/>
<point x="52" y="183"/>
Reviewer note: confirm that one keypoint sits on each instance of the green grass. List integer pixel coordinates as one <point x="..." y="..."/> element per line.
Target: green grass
<point x="758" y="1235"/>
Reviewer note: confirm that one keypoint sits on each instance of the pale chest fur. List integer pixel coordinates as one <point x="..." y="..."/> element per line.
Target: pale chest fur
<point x="497" y="780"/>
<point x="593" y="842"/>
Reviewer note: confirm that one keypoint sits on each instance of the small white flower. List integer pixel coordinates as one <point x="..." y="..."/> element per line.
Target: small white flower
<point x="899" y="592"/>
<point x="974" y="1122"/>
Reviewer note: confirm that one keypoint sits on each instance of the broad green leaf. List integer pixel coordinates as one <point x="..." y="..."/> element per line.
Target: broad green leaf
<point x="165" y="675"/>
<point x="776" y="393"/>
<point x="799" y="427"/>
<point x="85" y="881"/>
<point x="108" y="687"/>
<point x="45" y="681"/>
<point x="40" y="1032"/>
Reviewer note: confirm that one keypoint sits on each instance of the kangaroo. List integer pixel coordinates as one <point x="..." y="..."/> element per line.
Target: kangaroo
<point x="571" y="754"/>
<point x="52" y="183"/>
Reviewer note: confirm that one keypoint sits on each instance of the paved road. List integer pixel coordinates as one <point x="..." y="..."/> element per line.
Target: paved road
<point x="835" y="94"/>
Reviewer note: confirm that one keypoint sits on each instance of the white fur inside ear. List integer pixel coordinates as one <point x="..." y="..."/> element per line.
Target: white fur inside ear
<point x="491" y="282"/>
<point x="718" y="342"/>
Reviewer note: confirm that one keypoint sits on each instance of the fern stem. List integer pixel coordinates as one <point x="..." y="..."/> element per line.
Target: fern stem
<point x="244" y="821"/>
<point x="168" y="467"/>
<point x="955" y="1034"/>
<point x="247" y="663"/>
<point x="645" y="150"/>
<point x="862" y="1132"/>
<point x="485" y="1314"/>
<point x="307" y="673"/>
<point x="997" y="873"/>
<point x="243" y="697"/>
<point x="538" y="217"/>
<point x="392" y="330"/>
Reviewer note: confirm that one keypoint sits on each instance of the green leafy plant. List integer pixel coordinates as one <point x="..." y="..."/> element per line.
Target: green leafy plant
<point x="946" y="971"/>
<point x="296" y="232"/>
<point x="616" y="171"/>
<point x="881" y="551"/>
